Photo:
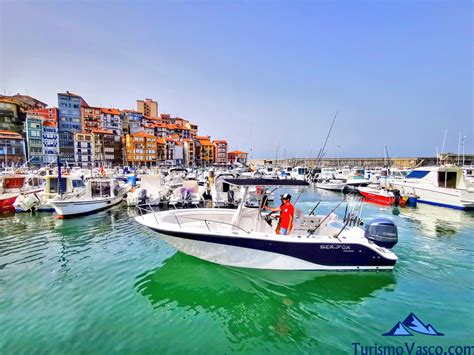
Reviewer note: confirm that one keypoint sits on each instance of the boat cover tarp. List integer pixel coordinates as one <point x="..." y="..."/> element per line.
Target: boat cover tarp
<point x="266" y="182"/>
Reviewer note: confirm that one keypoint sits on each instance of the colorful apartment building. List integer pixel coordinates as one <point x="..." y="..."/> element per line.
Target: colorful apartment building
<point x="84" y="149"/>
<point x="141" y="149"/>
<point x="131" y="121"/>
<point x="103" y="143"/>
<point x="206" y="151"/>
<point x="34" y="139"/>
<point x="237" y="156"/>
<point x="47" y="114"/>
<point x="147" y="107"/>
<point x="189" y="152"/>
<point x="169" y="151"/>
<point x="193" y="131"/>
<point x="69" y="122"/>
<point x="12" y="148"/>
<point x="10" y="115"/>
<point x="112" y="120"/>
<point x="91" y="118"/>
<point x="178" y="153"/>
<point x="220" y="152"/>
<point x="28" y="102"/>
<point x="50" y="142"/>
<point x="161" y="150"/>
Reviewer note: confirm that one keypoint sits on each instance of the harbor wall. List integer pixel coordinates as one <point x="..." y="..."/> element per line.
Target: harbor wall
<point x="402" y="162"/>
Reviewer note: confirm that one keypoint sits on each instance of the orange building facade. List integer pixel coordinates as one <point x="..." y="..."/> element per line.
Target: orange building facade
<point x="142" y="149"/>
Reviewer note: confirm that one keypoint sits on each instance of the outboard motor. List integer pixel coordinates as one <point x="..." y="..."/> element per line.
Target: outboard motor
<point x="382" y="231"/>
<point x="142" y="197"/>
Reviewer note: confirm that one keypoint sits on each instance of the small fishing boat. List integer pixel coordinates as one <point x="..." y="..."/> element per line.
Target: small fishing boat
<point x="13" y="186"/>
<point x="299" y="173"/>
<point x="100" y="193"/>
<point x="331" y="185"/>
<point x="247" y="237"/>
<point x="54" y="187"/>
<point x="384" y="196"/>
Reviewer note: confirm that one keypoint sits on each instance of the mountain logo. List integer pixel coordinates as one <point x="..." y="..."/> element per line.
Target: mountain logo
<point x="412" y="324"/>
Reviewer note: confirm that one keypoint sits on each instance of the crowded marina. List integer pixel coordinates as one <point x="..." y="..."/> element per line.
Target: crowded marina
<point x="223" y="215"/>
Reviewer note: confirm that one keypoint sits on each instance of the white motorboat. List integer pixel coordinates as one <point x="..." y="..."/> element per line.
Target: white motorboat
<point x="54" y="188"/>
<point x="444" y="186"/>
<point x="151" y="191"/>
<point x="189" y="194"/>
<point x="246" y="237"/>
<point x="353" y="177"/>
<point x="331" y="185"/>
<point x="224" y="194"/>
<point x="175" y="177"/>
<point x="100" y="193"/>
<point x="299" y="173"/>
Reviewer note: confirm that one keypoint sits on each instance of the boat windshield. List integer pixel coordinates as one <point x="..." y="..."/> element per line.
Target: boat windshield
<point x="53" y="185"/>
<point x="417" y="174"/>
<point x="447" y="179"/>
<point x="100" y="188"/>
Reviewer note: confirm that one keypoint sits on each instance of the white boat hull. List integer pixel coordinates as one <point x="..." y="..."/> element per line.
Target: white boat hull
<point x="77" y="207"/>
<point x="439" y="196"/>
<point x="331" y="187"/>
<point x="250" y="258"/>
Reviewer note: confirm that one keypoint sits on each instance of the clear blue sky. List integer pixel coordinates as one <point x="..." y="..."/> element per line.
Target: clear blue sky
<point x="260" y="73"/>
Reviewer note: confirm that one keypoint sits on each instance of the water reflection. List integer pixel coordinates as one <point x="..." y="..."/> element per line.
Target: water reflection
<point x="437" y="221"/>
<point x="246" y="301"/>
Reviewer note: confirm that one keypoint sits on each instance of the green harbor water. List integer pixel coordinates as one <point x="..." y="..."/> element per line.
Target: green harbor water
<point x="103" y="284"/>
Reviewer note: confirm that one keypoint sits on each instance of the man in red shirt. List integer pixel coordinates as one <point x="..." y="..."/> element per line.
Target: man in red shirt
<point x="287" y="212"/>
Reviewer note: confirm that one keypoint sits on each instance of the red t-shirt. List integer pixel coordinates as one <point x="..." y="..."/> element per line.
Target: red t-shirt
<point x="286" y="211"/>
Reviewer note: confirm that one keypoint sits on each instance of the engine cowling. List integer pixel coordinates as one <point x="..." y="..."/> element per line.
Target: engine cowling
<point x="382" y="231"/>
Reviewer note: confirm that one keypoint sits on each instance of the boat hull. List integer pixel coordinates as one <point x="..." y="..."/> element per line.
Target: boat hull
<point x="331" y="187"/>
<point x="74" y="208"/>
<point x="276" y="255"/>
<point x="444" y="197"/>
<point x="382" y="199"/>
<point x="6" y="204"/>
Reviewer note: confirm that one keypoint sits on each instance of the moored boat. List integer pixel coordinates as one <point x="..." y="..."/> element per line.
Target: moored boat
<point x="100" y="193"/>
<point x="384" y="196"/>
<point x="444" y="186"/>
<point x="331" y="185"/>
<point x="12" y="186"/>
<point x="54" y="187"/>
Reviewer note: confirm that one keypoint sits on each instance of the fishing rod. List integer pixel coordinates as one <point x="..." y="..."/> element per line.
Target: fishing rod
<point x="314" y="208"/>
<point x="311" y="231"/>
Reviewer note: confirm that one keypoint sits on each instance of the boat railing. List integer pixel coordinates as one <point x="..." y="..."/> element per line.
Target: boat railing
<point x="207" y="221"/>
<point x="145" y="209"/>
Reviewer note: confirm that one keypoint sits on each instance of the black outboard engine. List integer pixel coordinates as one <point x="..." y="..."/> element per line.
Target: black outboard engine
<point x="382" y="231"/>
<point x="142" y="197"/>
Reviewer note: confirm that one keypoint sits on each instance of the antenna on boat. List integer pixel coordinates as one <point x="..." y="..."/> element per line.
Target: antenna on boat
<point x="321" y="151"/>
<point x="459" y="148"/>
<point x="444" y="142"/>
<point x="463" y="155"/>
